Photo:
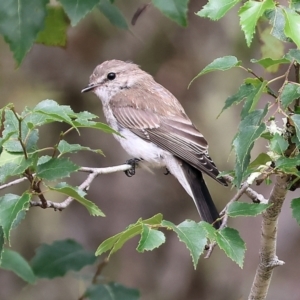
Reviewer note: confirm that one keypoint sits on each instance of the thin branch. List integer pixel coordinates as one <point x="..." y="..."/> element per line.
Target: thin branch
<point x="15" y="182"/>
<point x="268" y="257"/>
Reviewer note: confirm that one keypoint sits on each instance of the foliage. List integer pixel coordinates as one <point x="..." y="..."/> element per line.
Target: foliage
<point x="45" y="168"/>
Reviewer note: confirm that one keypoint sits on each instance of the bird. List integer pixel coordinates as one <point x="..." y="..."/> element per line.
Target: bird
<point x="155" y="130"/>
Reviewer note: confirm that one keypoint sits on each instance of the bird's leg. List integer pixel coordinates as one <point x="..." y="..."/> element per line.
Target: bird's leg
<point x="133" y="162"/>
<point x="167" y="172"/>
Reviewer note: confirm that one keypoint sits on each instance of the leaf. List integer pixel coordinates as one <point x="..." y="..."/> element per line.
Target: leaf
<point x="261" y="160"/>
<point x="10" y="206"/>
<point x="78" y="195"/>
<point x="113" y="14"/>
<point x="237" y="209"/>
<point x="57" y="259"/>
<point x="229" y="240"/>
<point x="209" y="229"/>
<point x="192" y="234"/>
<point x="268" y="62"/>
<point x="13" y="261"/>
<point x="250" y="13"/>
<point x="216" y="9"/>
<point x="176" y="10"/>
<point x="295" y="206"/>
<point x="250" y="129"/>
<point x="288" y="164"/>
<point x="77" y="10"/>
<point x="56" y="25"/>
<point x="18" y="26"/>
<point x="290" y="92"/>
<point x="2" y="241"/>
<point x="64" y="147"/>
<point x="55" y="168"/>
<point x="277" y="21"/>
<point x="292" y="26"/>
<point x="296" y="120"/>
<point x="150" y="239"/>
<point x="111" y="291"/>
<point x="278" y="144"/>
<point x="117" y="241"/>
<point x="293" y="54"/>
<point x="220" y="64"/>
<point x="95" y="125"/>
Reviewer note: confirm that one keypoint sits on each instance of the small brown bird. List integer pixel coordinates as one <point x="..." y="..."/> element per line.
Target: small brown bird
<point x="156" y="131"/>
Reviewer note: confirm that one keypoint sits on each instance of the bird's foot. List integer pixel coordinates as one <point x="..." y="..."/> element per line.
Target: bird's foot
<point x="133" y="162"/>
<point x="167" y="172"/>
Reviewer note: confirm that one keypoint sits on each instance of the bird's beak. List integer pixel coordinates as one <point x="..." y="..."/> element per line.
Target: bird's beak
<point x="90" y="87"/>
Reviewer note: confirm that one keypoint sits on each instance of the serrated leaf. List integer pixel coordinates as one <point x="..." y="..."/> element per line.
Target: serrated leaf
<point x="55" y="168"/>
<point x="293" y="54"/>
<point x="113" y="14"/>
<point x="296" y="120"/>
<point x="292" y="26"/>
<point x="277" y="21"/>
<point x="176" y="10"/>
<point x="216" y="9"/>
<point x="14" y="262"/>
<point x="77" y="10"/>
<point x="295" y="206"/>
<point x="111" y="291"/>
<point x="116" y="242"/>
<point x="19" y="27"/>
<point x="10" y="206"/>
<point x="295" y="4"/>
<point x="250" y="129"/>
<point x="192" y="234"/>
<point x="238" y="209"/>
<point x="268" y="62"/>
<point x="78" y="195"/>
<point x="261" y="160"/>
<point x="150" y="239"/>
<point x="80" y="123"/>
<point x="229" y="240"/>
<point x="64" y="147"/>
<point x="210" y="230"/>
<point x="220" y="64"/>
<point x="250" y="13"/>
<point x="57" y="259"/>
<point x="278" y="144"/>
<point x="290" y="92"/>
<point x="56" y="25"/>
<point x="288" y="164"/>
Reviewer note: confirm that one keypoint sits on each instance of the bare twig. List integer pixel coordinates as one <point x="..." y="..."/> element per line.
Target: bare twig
<point x="15" y="182"/>
<point x="268" y="257"/>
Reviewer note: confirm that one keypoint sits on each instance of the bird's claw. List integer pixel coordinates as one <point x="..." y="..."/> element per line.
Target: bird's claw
<point x="133" y="162"/>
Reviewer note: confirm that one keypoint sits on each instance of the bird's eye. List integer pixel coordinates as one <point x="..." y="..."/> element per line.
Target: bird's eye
<point x="111" y="76"/>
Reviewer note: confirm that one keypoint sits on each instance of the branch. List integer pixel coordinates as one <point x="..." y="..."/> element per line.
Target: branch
<point x="94" y="172"/>
<point x="268" y="258"/>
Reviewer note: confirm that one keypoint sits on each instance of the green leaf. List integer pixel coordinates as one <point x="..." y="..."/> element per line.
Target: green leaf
<point x="268" y="62"/>
<point x="94" y="125"/>
<point x="216" y="9"/>
<point x="150" y="239"/>
<point x="18" y="26"/>
<point x="237" y="209"/>
<point x="113" y="14"/>
<point x="277" y="21"/>
<point x="29" y="137"/>
<point x="13" y="261"/>
<point x="250" y="129"/>
<point x="116" y="242"/>
<point x="292" y="26"/>
<point x="209" y="229"/>
<point x="10" y="206"/>
<point x="278" y="144"/>
<point x="77" y="10"/>
<point x="293" y="54"/>
<point x="230" y="241"/>
<point x="220" y="64"/>
<point x="111" y="291"/>
<point x="55" y="168"/>
<point x="192" y="234"/>
<point x="295" y="4"/>
<point x="57" y="259"/>
<point x="290" y="92"/>
<point x="176" y="10"/>
<point x="288" y="164"/>
<point x="2" y="241"/>
<point x="56" y="25"/>
<point x="250" y="13"/>
<point x="64" y="147"/>
<point x="296" y="120"/>
<point x="78" y="195"/>
<point x="261" y="160"/>
<point x="295" y="206"/>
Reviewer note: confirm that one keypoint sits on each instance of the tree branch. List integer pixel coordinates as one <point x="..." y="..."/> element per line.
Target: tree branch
<point x="268" y="258"/>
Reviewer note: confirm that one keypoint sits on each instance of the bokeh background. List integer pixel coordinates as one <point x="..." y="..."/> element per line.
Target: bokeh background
<point x="173" y="55"/>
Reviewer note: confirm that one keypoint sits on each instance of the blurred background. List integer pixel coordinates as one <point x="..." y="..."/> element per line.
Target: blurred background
<point x="173" y="55"/>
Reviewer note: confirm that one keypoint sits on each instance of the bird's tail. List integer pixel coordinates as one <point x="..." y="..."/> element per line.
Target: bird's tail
<point x="201" y="195"/>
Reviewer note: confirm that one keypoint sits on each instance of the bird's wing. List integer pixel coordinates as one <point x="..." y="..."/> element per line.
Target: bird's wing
<point x="173" y="133"/>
